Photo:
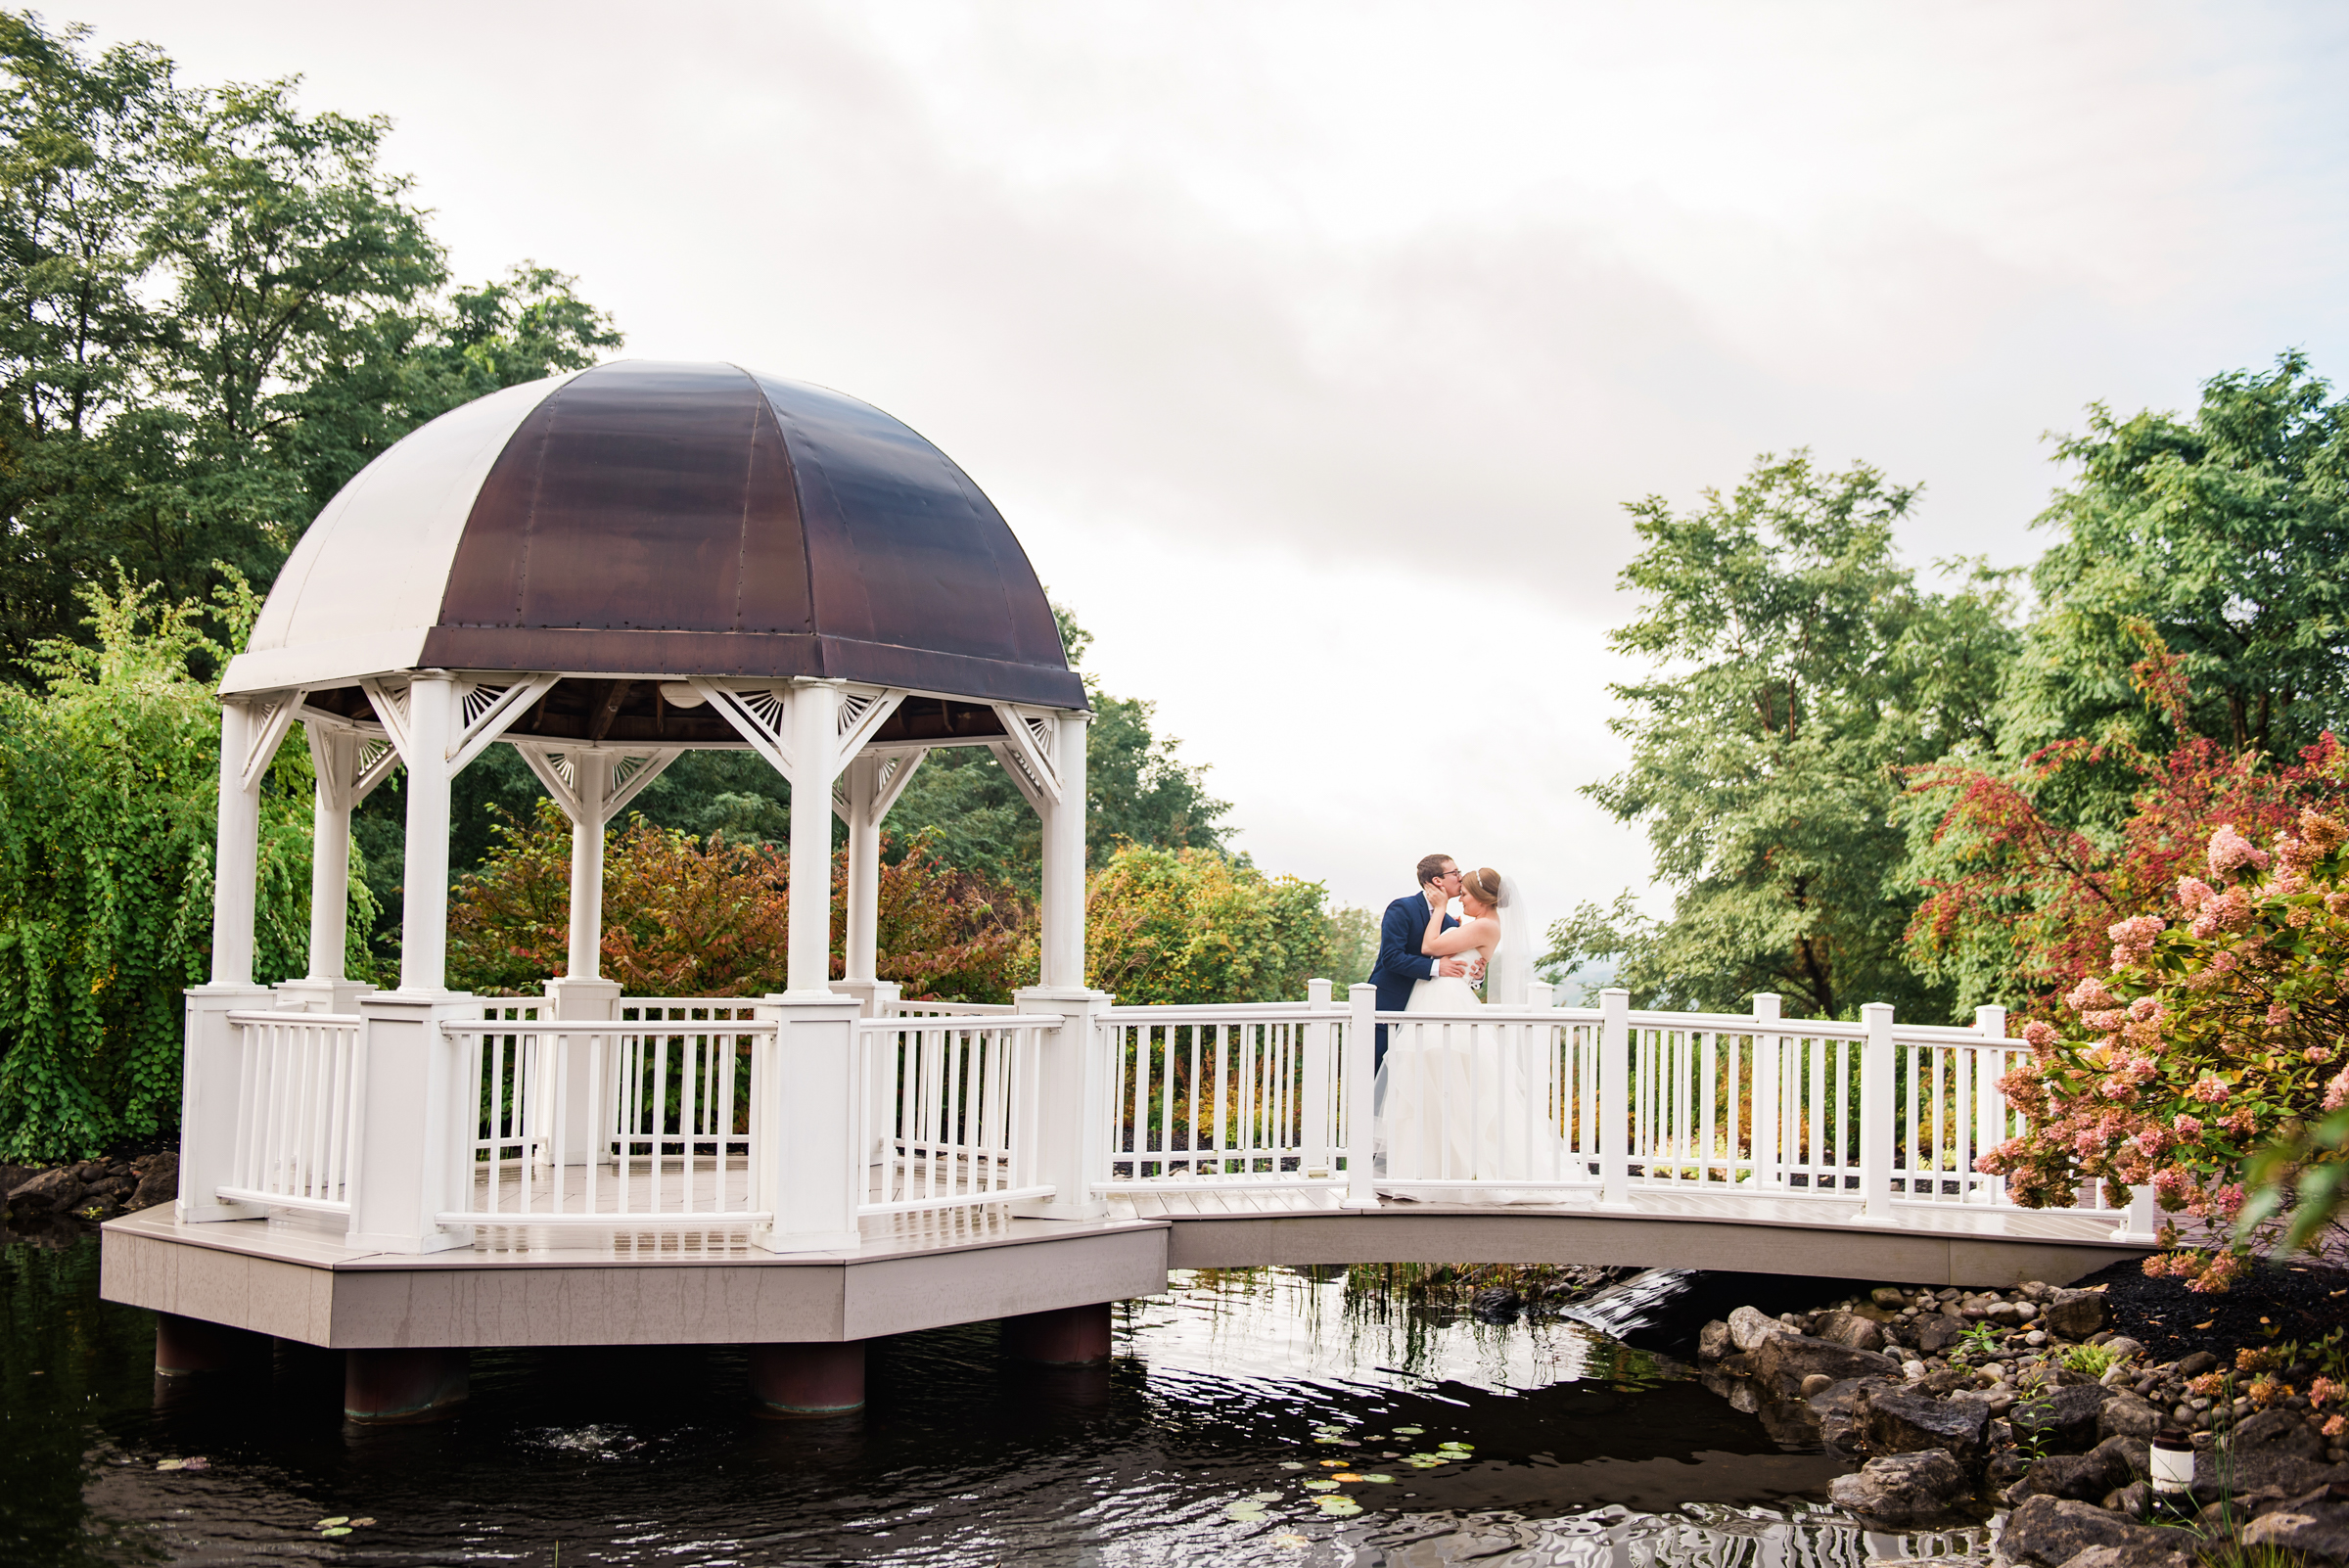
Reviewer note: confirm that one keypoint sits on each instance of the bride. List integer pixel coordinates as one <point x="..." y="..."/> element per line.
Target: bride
<point x="1463" y="1099"/>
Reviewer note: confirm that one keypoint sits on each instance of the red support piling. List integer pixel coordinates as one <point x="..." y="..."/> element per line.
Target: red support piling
<point x="809" y="1378"/>
<point x="385" y="1387"/>
<point x="1071" y="1336"/>
<point x="185" y="1346"/>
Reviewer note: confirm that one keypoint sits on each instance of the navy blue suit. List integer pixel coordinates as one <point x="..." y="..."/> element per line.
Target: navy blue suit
<point x="1400" y="960"/>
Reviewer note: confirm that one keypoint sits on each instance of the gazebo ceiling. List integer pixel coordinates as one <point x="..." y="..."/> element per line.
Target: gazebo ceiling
<point x="645" y="520"/>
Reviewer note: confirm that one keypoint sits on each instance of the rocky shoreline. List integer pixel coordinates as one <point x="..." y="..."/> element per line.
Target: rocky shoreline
<point x="1957" y="1401"/>
<point x="64" y="1200"/>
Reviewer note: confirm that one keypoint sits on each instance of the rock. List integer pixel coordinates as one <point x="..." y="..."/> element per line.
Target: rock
<point x="1713" y="1341"/>
<point x="1497" y="1304"/>
<point x="1947" y="1380"/>
<point x="2086" y="1477"/>
<point x="2063" y="1421"/>
<point x="2053" y="1532"/>
<point x="2316" y="1523"/>
<point x="54" y="1191"/>
<point x="2076" y="1314"/>
<point x="1938" y="1332"/>
<point x="2196" y="1364"/>
<point x="1889" y="1297"/>
<point x="2024" y="1311"/>
<point x="1815" y="1384"/>
<point x="2131" y="1458"/>
<point x="1852" y="1331"/>
<point x="1841" y="1412"/>
<point x="2279" y="1432"/>
<point x="1748" y="1328"/>
<point x="2125" y="1345"/>
<point x="158" y="1185"/>
<point x="2132" y="1501"/>
<point x="1904" y="1488"/>
<point x="2127" y="1416"/>
<point x="1898" y="1421"/>
<point x="2006" y="1466"/>
<point x="2139" y="1555"/>
<point x="1786" y="1359"/>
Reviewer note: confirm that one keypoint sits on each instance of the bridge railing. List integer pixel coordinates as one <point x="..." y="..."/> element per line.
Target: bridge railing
<point x="1536" y="1101"/>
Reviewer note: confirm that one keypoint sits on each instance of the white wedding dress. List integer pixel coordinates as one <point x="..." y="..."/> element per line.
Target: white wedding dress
<point x="1464" y="1100"/>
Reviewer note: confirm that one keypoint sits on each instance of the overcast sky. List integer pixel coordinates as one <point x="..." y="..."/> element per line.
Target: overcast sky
<point x="1311" y="349"/>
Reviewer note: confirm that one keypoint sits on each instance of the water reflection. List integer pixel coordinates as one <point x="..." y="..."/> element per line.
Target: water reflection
<point x="1250" y="1416"/>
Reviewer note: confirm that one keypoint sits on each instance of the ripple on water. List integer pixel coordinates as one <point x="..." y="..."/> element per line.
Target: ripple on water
<point x="1251" y="1416"/>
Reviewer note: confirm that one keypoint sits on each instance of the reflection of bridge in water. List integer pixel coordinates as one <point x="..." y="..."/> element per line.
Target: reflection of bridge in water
<point x="649" y="1179"/>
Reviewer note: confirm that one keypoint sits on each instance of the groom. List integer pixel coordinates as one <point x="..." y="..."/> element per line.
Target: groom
<point x="1400" y="934"/>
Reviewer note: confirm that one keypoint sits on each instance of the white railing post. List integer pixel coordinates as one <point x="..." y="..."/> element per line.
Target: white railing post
<point x="211" y="1078"/>
<point x="585" y="1123"/>
<point x="1990" y="1106"/>
<point x="1614" y="1098"/>
<point x="419" y="1108"/>
<point x="1359" y="1084"/>
<point x="1764" y="1110"/>
<point x="1878" y="1070"/>
<point x="1314" y="1129"/>
<point x="1072" y="1104"/>
<point x="817" y="1175"/>
<point x="2141" y="1224"/>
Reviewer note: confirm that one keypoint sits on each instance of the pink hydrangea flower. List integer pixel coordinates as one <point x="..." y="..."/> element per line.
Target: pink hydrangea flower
<point x="2337" y="1092"/>
<point x="2187" y="1126"/>
<point x="2337" y="1428"/>
<point x="2195" y="893"/>
<point x="2279" y="1013"/>
<point x="2039" y="1034"/>
<point x="2147" y="1010"/>
<point x="2230" y="851"/>
<point x="2090" y="994"/>
<point x="2323" y="1390"/>
<point x="2133" y="938"/>
<point x="2211" y="1089"/>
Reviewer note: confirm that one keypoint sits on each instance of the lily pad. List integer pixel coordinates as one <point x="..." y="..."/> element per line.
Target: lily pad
<point x="1456" y="1447"/>
<point x="1320" y="1483"/>
<point x="1292" y="1464"/>
<point x="1329" y="1439"/>
<point x="1418" y="1463"/>
<point x="1344" y="1475"/>
<point x="338" y="1530"/>
<point x="1340" y="1507"/>
<point x="1380" y="1480"/>
<point x="340" y="1518"/>
<point x="355" y="1523"/>
<point x="1245" y="1510"/>
<point x="1409" y="1431"/>
<point x="1331" y="1464"/>
<point x="1292" y="1540"/>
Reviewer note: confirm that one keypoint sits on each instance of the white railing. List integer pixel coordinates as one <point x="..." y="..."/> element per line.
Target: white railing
<point x="1502" y="1098"/>
<point x="638" y="1121"/>
<point x="1207" y="1096"/>
<point x="950" y="1109"/>
<point x="917" y="1008"/>
<point x="297" y="1128"/>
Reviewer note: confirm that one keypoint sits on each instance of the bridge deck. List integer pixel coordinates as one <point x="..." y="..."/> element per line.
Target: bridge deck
<point x="293" y="1277"/>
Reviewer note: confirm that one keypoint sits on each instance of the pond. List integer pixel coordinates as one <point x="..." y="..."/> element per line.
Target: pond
<point x="1231" y="1428"/>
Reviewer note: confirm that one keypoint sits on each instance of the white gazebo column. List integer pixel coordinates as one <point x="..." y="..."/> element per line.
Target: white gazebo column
<point x="862" y="802"/>
<point x="1071" y="1108"/>
<point x="1063" y="902"/>
<point x="433" y="723"/>
<point x="593" y="771"/>
<point x="211" y="1068"/>
<point x="811" y="725"/>
<point x="582" y="992"/>
<point x="334" y="760"/>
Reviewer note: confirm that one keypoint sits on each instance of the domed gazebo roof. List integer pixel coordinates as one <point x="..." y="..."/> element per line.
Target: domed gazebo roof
<point x="644" y="520"/>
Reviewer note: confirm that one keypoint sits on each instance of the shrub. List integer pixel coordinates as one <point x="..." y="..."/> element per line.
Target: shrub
<point x="2217" y="1028"/>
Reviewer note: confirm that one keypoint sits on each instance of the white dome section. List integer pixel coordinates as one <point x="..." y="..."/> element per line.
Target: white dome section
<point x="364" y="584"/>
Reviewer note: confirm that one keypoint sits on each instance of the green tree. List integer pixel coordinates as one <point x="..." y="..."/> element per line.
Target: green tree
<point x="214" y="308"/>
<point x="2225" y="536"/>
<point x="1195" y="926"/>
<point x="1799" y="668"/>
<point x="108" y="790"/>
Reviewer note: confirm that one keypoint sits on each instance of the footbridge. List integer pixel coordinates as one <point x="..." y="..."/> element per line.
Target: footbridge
<point x="793" y="1175"/>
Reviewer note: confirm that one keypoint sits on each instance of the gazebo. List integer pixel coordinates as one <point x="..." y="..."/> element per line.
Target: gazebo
<point x="604" y="571"/>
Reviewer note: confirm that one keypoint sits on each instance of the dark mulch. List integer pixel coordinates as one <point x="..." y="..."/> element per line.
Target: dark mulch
<point x="2276" y="1302"/>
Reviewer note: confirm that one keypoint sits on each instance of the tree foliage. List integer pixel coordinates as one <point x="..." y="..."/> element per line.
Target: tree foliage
<point x="1799" y="666"/>
<point x="2217" y="1027"/>
<point x="692" y="916"/>
<point x="214" y="308"/>
<point x="1194" y="925"/>
<point x="2226" y="533"/>
<point x="108" y="790"/>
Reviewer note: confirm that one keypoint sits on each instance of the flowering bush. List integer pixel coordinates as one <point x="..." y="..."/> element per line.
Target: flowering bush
<point x="2216" y="1030"/>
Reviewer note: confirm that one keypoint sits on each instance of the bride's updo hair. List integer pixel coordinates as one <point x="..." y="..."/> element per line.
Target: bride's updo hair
<point x="1485" y="885"/>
